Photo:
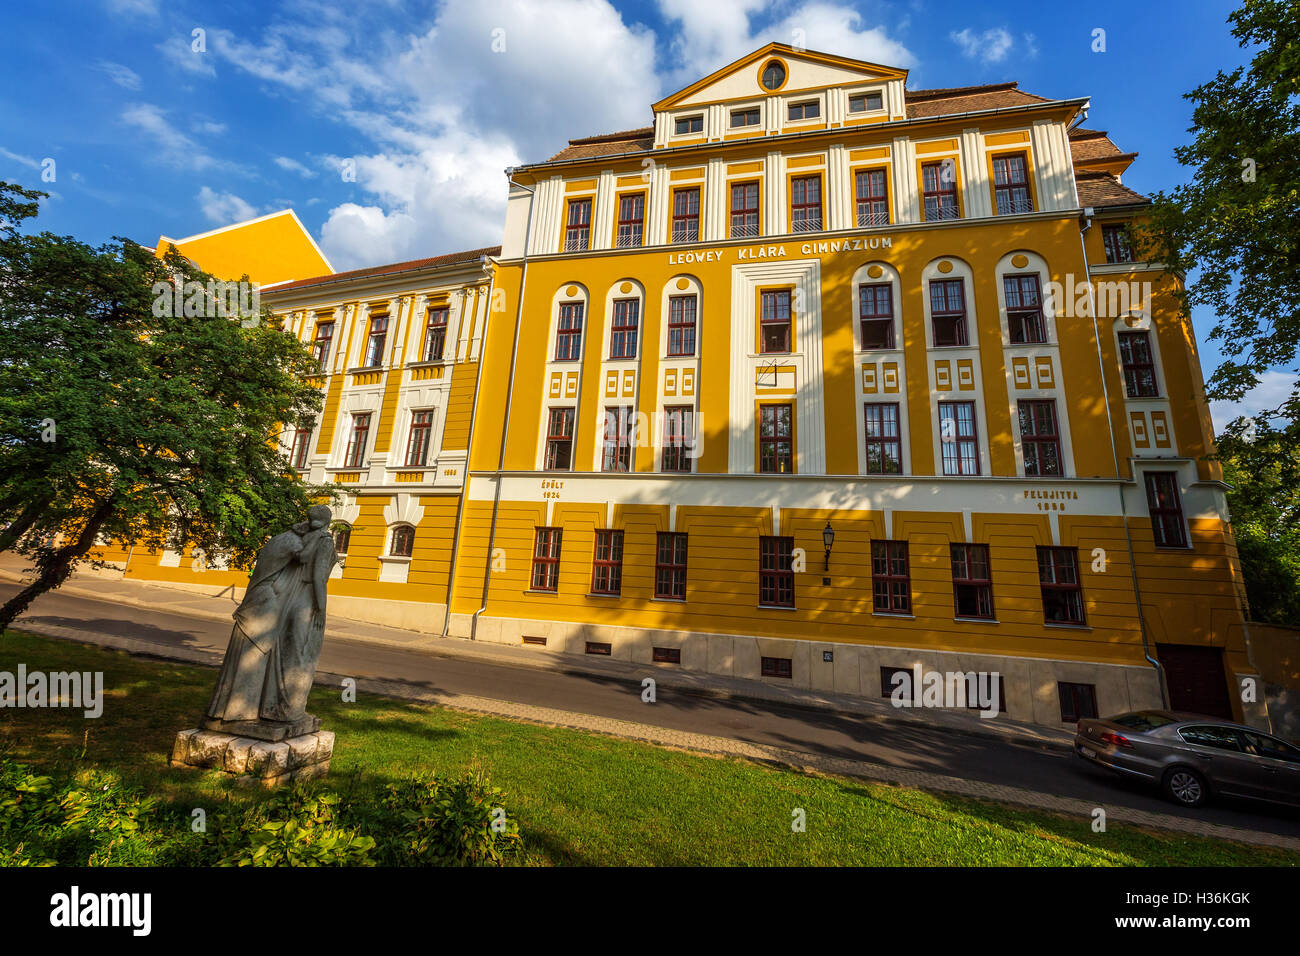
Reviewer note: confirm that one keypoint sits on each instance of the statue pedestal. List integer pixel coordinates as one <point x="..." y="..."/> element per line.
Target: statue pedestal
<point x="265" y="762"/>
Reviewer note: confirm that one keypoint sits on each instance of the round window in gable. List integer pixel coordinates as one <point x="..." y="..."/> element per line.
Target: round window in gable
<point x="773" y="75"/>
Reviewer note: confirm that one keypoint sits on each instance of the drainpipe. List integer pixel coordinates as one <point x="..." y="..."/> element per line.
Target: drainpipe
<point x="1114" y="454"/>
<point x="484" y="262"/>
<point x="505" y="427"/>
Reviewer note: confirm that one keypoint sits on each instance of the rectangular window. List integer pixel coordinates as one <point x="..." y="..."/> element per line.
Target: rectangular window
<point x="375" y="340"/>
<point x="810" y="109"/>
<point x="298" y="456"/>
<point x="1025" y="323"/>
<point x="1011" y="185"/>
<point x="939" y="190"/>
<point x="873" y="203"/>
<point x="320" y="346"/>
<point x="577" y="230"/>
<point x="417" y="444"/>
<point x="679" y="437"/>
<point x="600" y="648"/>
<point x="666" y="655"/>
<point x="435" y="335"/>
<point x="891" y="582"/>
<point x="1115" y="239"/>
<point x="958" y="436"/>
<point x="631" y="221"/>
<point x="1166" y="508"/>
<point x="357" y="440"/>
<point x="670" y="566"/>
<point x="972" y="584"/>
<point x="776" y="571"/>
<point x="623" y="332"/>
<point x="774" y="321"/>
<point x="746" y="117"/>
<point x="1078" y="701"/>
<point x="607" y="563"/>
<point x="806" y="204"/>
<point x="744" y="210"/>
<point x="1040" y="438"/>
<point x="619" y="425"/>
<point x="888" y="684"/>
<point x="876" y="315"/>
<point x="884" y="438"/>
<point x="1058" y="576"/>
<point x="546" y="559"/>
<point x="1139" y="365"/>
<point x="688" y="124"/>
<point x="568" y="334"/>
<point x="686" y="215"/>
<point x="866" y="102"/>
<point x="559" y="439"/>
<point x="948" y="311"/>
<point x="777" y="667"/>
<point x="681" y="324"/>
<point x="776" y="439"/>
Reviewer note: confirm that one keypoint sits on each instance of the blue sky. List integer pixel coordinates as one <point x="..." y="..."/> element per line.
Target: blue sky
<point x="150" y="137"/>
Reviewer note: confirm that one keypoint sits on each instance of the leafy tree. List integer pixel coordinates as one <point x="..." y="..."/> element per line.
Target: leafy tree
<point x="119" y="422"/>
<point x="1236" y="224"/>
<point x="1263" y="466"/>
<point x="1234" y="230"/>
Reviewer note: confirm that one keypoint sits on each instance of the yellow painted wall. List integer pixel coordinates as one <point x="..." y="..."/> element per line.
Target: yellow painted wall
<point x="275" y="249"/>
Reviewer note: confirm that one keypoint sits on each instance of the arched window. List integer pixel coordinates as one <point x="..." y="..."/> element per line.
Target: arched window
<point x="403" y="542"/>
<point x="342" y="538"/>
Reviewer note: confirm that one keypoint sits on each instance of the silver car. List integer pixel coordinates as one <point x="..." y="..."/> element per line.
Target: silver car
<point x="1193" y="757"/>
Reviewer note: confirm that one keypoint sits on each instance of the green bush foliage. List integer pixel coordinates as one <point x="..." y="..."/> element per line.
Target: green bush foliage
<point x="93" y="819"/>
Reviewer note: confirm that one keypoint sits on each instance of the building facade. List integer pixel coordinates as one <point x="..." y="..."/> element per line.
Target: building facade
<point x="813" y="380"/>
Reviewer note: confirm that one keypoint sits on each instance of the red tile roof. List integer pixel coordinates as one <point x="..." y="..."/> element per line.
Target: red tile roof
<point x="609" y="144"/>
<point x="967" y="99"/>
<point x="394" y="268"/>
<point x="1101" y="189"/>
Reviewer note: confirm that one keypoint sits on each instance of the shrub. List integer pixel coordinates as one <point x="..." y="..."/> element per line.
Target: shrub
<point x="459" y="822"/>
<point x="93" y="819"/>
<point x="298" y="828"/>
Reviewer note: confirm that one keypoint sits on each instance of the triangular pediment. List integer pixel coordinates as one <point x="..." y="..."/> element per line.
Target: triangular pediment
<point x="803" y="69"/>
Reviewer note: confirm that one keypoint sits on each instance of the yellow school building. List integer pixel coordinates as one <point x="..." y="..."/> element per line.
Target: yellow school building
<point x="814" y="379"/>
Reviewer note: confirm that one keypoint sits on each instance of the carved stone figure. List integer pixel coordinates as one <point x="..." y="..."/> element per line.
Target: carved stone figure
<point x="267" y="674"/>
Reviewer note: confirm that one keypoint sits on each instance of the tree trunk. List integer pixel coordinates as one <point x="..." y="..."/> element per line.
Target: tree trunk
<point x="12" y="534"/>
<point x="57" y="569"/>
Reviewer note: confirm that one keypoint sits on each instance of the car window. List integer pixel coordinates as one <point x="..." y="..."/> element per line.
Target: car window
<point x="1142" y="720"/>
<point x="1220" y="738"/>
<point x="1271" y="747"/>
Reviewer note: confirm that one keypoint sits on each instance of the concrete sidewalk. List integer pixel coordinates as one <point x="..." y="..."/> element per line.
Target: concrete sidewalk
<point x="219" y="607"/>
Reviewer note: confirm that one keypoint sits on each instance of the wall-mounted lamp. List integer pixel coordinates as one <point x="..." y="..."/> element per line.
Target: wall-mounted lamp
<point x="828" y="539"/>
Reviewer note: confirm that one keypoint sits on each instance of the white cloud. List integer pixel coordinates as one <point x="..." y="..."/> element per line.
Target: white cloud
<point x="713" y="34"/>
<point x="991" y="46"/>
<point x="293" y="166"/>
<point x="1273" y="389"/>
<point x="174" y="147"/>
<point x="224" y="208"/>
<point x="179" y="52"/>
<point x="123" y="76"/>
<point x="134" y="7"/>
<point x="27" y="161"/>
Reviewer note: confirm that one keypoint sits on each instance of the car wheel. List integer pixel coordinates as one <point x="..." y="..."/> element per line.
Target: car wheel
<point x="1185" y="787"/>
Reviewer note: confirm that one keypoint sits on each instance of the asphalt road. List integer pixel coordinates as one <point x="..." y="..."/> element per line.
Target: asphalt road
<point x="892" y="743"/>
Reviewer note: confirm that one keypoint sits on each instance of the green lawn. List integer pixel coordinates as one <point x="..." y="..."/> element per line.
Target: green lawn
<point x="582" y="798"/>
